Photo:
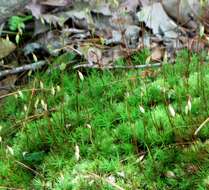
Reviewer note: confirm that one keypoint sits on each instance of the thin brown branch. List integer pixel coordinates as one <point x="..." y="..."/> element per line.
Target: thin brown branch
<point x="201" y="126"/>
<point x="31" y="118"/>
<point x="34" y="117"/>
<point x="16" y="70"/>
<point x="29" y="168"/>
<point x="26" y="90"/>
<point x="119" y="66"/>
<point x="10" y="188"/>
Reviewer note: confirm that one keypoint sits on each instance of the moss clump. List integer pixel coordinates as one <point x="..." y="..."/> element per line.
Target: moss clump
<point x="119" y="126"/>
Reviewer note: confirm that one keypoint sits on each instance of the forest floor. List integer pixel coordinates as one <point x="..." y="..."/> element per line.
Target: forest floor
<point x="99" y="129"/>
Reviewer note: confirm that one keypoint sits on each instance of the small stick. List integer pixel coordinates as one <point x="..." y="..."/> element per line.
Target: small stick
<point x="27" y="167"/>
<point x="26" y="90"/>
<point x="40" y="64"/>
<point x="34" y="117"/>
<point x="16" y="70"/>
<point x="10" y="188"/>
<point x="119" y="66"/>
<point x="201" y="126"/>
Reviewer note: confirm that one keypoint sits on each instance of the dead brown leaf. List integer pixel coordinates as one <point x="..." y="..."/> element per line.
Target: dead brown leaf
<point x="56" y="3"/>
<point x="6" y="47"/>
<point x="156" y="54"/>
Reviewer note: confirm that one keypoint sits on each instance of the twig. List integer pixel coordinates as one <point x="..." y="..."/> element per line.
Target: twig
<point x="37" y="116"/>
<point x="201" y="126"/>
<point x="31" y="118"/>
<point x="40" y="64"/>
<point x="27" y="167"/>
<point x="16" y="70"/>
<point x="26" y="90"/>
<point x="10" y="188"/>
<point x="119" y="66"/>
<point x="34" y="117"/>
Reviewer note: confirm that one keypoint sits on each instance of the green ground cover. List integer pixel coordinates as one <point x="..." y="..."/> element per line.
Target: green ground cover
<point x="109" y="129"/>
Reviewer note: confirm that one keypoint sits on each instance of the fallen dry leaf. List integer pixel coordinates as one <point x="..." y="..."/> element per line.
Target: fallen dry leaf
<point x="6" y="47"/>
<point x="56" y="3"/>
<point x="156" y="54"/>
